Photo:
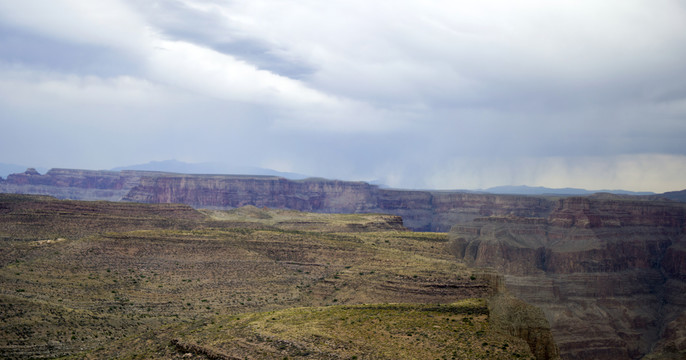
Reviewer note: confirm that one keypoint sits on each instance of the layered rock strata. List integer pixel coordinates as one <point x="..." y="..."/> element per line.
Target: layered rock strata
<point x="421" y="210"/>
<point x="73" y="184"/>
<point x="515" y="317"/>
<point x="608" y="273"/>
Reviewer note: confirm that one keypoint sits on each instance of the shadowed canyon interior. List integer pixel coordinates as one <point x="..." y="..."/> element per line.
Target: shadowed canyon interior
<point x="607" y="271"/>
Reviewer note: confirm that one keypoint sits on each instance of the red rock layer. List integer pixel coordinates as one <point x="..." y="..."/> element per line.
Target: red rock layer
<point x="421" y="210"/>
<point x="609" y="273"/>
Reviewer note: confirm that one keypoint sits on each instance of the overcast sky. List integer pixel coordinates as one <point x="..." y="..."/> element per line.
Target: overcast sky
<point x="415" y="94"/>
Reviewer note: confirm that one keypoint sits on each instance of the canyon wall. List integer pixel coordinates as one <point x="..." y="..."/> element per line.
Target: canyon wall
<point x="73" y="184"/>
<point x="609" y="273"/>
<point x="421" y="210"/>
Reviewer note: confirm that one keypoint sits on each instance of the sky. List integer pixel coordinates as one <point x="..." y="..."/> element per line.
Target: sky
<point x="412" y="94"/>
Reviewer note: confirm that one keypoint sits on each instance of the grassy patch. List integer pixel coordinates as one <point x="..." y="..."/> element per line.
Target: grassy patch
<point x="386" y="331"/>
<point x="123" y="278"/>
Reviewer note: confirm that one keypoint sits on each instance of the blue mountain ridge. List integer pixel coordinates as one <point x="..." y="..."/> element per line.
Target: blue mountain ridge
<point x="540" y="190"/>
<point x="175" y="166"/>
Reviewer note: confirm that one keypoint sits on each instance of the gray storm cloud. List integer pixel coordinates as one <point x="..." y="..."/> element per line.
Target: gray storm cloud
<point x="445" y="94"/>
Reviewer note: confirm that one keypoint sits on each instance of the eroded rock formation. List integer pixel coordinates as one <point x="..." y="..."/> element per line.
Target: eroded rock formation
<point x="515" y="317"/>
<point x="73" y="184"/>
<point x="421" y="210"/>
<point x="608" y="272"/>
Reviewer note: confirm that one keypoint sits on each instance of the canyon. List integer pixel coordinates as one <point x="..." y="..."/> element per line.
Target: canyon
<point x="420" y="210"/>
<point x="105" y="280"/>
<point x="608" y="271"/>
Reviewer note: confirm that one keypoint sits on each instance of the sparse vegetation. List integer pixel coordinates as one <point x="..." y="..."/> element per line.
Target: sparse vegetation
<point x="99" y="279"/>
<point x="387" y="331"/>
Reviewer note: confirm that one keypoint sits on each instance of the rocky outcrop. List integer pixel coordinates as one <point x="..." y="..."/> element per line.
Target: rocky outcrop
<point x="420" y="210"/>
<point x="517" y="318"/>
<point x="73" y="184"/>
<point x="608" y="272"/>
<point x="225" y="192"/>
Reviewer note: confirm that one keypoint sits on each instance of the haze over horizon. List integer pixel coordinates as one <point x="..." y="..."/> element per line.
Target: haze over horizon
<point x="440" y="95"/>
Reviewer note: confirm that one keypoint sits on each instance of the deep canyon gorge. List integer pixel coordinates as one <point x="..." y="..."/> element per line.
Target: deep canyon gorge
<point x="608" y="271"/>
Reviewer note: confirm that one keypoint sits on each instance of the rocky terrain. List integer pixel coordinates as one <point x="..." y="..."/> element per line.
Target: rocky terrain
<point x="73" y="184"/>
<point x="608" y="272"/>
<point x="103" y="280"/>
<point x="420" y="210"/>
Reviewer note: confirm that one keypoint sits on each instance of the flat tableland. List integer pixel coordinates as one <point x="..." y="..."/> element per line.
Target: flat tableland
<point x="124" y="280"/>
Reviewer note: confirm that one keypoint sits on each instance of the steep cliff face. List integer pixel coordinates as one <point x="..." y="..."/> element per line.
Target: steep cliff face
<point x="421" y="210"/>
<point x="455" y="208"/>
<point x="222" y="191"/>
<point x="608" y="273"/>
<point x="73" y="184"/>
<point x="517" y="318"/>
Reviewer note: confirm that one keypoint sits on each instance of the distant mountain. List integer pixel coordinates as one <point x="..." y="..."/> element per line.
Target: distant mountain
<point x="675" y="195"/>
<point x="539" y="190"/>
<point x="175" y="166"/>
<point x="6" y="169"/>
